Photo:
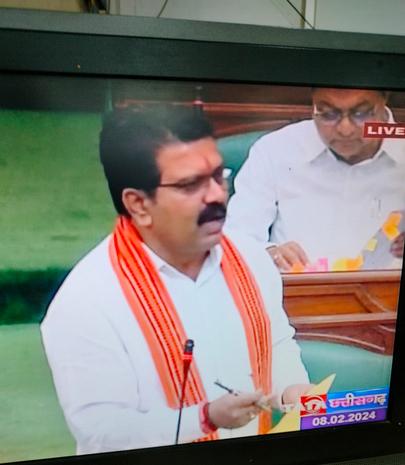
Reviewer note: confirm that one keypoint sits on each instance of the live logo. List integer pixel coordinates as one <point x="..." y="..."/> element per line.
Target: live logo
<point x="378" y="130"/>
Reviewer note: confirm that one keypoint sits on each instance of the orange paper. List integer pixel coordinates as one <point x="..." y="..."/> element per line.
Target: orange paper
<point x="390" y="227"/>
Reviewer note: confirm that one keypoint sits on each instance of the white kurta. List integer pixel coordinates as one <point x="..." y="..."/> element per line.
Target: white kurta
<point x="103" y="371"/>
<point x="294" y="184"/>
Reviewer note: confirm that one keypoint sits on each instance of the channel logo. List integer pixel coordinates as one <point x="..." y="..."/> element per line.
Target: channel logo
<point x="313" y="405"/>
<point x="357" y="400"/>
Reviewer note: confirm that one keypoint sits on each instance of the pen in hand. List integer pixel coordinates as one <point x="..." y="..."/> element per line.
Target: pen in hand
<point x="259" y="403"/>
<point x="222" y="386"/>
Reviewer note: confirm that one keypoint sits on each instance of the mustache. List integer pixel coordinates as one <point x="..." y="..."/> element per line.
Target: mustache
<point x="213" y="211"/>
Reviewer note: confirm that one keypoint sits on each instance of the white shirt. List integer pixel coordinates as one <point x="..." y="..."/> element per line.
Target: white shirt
<point x="103" y="371"/>
<point x="292" y="182"/>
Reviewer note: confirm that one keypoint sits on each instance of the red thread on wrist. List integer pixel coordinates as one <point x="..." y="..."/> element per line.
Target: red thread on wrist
<point x="206" y="424"/>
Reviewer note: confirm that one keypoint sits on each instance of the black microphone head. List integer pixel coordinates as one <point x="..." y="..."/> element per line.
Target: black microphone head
<point x="189" y="346"/>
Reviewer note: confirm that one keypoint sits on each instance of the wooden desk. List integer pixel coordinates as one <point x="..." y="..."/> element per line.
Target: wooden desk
<point x="357" y="308"/>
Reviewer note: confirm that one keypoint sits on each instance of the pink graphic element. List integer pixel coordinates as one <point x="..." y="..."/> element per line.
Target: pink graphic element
<point x="320" y="265"/>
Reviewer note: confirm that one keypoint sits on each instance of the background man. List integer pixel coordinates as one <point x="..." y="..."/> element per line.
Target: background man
<point x="114" y="333"/>
<point x="322" y="188"/>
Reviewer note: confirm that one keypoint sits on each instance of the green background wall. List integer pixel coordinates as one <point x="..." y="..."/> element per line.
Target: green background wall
<point x="55" y="206"/>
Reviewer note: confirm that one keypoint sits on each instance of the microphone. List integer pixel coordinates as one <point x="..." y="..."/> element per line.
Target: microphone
<point x="187" y="356"/>
<point x="187" y="359"/>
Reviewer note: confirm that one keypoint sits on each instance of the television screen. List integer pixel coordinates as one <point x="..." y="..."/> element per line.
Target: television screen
<point x="191" y="268"/>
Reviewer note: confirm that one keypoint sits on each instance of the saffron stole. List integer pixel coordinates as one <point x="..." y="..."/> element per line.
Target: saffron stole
<point x="157" y="317"/>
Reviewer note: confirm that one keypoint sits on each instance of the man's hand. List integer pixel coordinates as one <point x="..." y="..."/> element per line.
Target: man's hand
<point x="288" y="254"/>
<point x="234" y="410"/>
<point x="397" y="247"/>
<point x="293" y="393"/>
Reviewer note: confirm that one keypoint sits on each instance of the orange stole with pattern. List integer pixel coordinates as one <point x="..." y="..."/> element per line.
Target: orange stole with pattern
<point x="156" y="314"/>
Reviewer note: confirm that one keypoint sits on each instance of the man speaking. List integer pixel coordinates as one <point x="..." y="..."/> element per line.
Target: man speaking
<point x="115" y="332"/>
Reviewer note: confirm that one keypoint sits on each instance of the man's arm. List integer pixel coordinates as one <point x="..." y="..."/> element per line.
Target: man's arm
<point x="253" y="207"/>
<point x="100" y="390"/>
<point x="290" y="378"/>
<point x="102" y="393"/>
<point x="397" y="247"/>
<point x="289" y="375"/>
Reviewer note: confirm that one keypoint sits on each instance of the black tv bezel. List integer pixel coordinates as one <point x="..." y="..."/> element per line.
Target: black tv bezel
<point x="63" y="44"/>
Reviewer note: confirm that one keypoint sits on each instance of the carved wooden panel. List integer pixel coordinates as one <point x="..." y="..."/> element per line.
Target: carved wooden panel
<point x="356" y="308"/>
<point x="238" y="118"/>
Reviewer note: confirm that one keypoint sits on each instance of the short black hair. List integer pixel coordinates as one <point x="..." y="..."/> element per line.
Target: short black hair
<point x="130" y="140"/>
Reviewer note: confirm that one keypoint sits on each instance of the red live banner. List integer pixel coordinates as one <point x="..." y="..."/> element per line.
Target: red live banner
<point x="378" y="130"/>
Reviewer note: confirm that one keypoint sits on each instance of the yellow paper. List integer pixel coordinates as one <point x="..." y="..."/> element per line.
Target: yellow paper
<point x="348" y="264"/>
<point x="340" y="265"/>
<point x="291" y="420"/>
<point x="371" y="244"/>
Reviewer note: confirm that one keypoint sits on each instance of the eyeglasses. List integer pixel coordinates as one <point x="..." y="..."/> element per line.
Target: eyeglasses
<point x="220" y="175"/>
<point x="334" y="116"/>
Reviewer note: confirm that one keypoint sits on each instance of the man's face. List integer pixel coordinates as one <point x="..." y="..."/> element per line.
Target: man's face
<point x="188" y="210"/>
<point x="339" y="115"/>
